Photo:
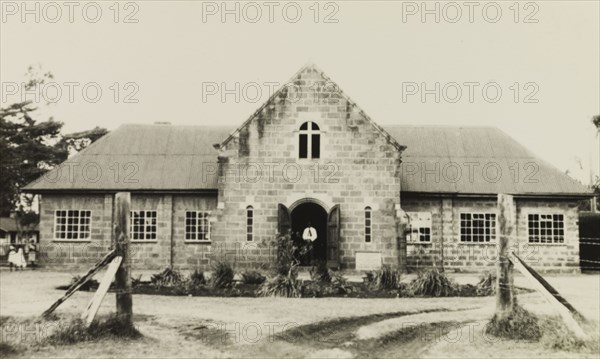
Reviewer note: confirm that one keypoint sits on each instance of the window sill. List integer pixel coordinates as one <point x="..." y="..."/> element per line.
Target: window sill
<point x="71" y="240"/>
<point x="479" y="243"/>
<point x="144" y="241"/>
<point x="311" y="161"/>
<point x="196" y="242"/>
<point x="419" y="243"/>
<point x="544" y="244"/>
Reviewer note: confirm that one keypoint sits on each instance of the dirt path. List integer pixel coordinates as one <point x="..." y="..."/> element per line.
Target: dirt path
<point x="297" y="328"/>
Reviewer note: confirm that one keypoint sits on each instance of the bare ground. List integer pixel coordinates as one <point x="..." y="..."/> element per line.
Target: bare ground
<point x="276" y="327"/>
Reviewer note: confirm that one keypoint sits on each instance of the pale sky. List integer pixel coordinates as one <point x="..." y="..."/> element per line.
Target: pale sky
<point x="375" y="51"/>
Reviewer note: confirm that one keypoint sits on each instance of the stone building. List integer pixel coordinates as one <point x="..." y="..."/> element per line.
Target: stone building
<point x="409" y="196"/>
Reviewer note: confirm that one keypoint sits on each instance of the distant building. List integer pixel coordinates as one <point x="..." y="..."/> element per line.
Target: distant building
<point x="11" y="233"/>
<point x="412" y="196"/>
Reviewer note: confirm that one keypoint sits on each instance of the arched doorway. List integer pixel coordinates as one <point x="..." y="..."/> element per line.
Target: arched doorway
<point x="301" y="216"/>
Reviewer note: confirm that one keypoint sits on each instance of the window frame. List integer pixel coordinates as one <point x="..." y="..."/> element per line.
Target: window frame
<point x="86" y="239"/>
<point x="552" y="237"/>
<point x="144" y="226"/>
<point x="249" y="224"/>
<point x="368" y="210"/>
<point x="413" y="229"/>
<point x="196" y="232"/>
<point x="309" y="132"/>
<point x="493" y="237"/>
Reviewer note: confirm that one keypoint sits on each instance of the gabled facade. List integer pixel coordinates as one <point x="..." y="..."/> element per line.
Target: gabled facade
<point x="407" y="196"/>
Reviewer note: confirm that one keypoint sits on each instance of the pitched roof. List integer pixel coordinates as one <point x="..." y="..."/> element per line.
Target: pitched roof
<point x="150" y="157"/>
<point x="9" y="224"/>
<point x="278" y="95"/>
<point x="475" y="160"/>
<point x="182" y="158"/>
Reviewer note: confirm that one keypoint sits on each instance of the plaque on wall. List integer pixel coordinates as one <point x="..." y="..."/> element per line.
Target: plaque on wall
<point x="368" y="260"/>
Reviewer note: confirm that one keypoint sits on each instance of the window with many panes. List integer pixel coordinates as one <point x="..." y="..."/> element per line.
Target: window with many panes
<point x="143" y="225"/>
<point x="546" y="228"/>
<point x="477" y="227"/>
<point x="368" y="224"/>
<point x="72" y="224"/>
<point x="309" y="140"/>
<point x="249" y="223"/>
<point x="197" y="226"/>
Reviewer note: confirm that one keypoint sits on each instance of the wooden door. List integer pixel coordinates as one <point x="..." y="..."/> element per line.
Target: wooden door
<point x="333" y="237"/>
<point x="284" y="221"/>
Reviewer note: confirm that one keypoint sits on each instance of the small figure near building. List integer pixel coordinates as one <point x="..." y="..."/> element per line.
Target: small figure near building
<point x="16" y="258"/>
<point x="32" y="257"/>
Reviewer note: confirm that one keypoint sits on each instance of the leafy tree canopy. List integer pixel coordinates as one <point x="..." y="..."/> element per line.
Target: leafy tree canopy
<point x="29" y="147"/>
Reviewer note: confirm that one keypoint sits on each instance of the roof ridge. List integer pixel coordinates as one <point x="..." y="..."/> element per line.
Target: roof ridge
<point x="262" y="107"/>
<point x="440" y="126"/>
<point x="312" y="66"/>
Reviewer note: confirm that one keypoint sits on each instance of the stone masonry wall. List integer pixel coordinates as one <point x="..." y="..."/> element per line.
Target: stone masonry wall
<point x="153" y="254"/>
<point x="74" y="254"/>
<point x="191" y="254"/>
<point x="476" y="257"/>
<point x="156" y="254"/>
<point x="358" y="167"/>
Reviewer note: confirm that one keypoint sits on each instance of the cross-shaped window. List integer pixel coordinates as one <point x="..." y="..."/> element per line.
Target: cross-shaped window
<point x="309" y="140"/>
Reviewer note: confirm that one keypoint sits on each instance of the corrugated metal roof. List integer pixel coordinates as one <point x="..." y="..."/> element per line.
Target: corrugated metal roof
<point x="150" y="157"/>
<point x="475" y="160"/>
<point x="436" y="160"/>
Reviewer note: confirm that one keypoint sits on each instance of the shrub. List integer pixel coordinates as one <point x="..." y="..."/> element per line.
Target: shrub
<point x="520" y="324"/>
<point x="281" y="286"/>
<point x="320" y="273"/>
<point x="288" y="254"/>
<point x="253" y="277"/>
<point x="167" y="278"/>
<point x="487" y="284"/>
<point x="222" y="276"/>
<point x="197" y="278"/>
<point x="312" y="289"/>
<point x="339" y="284"/>
<point x="285" y="283"/>
<point x="318" y="288"/>
<point x="388" y="278"/>
<point x="432" y="283"/>
<point x="135" y="282"/>
<point x="370" y="279"/>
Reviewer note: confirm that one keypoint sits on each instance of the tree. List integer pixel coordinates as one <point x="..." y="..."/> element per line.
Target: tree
<point x="29" y="148"/>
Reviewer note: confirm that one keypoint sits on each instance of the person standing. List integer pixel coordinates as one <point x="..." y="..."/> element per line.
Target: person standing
<point x="310" y="235"/>
<point x="12" y="257"/>
<point x="20" y="259"/>
<point x="32" y="257"/>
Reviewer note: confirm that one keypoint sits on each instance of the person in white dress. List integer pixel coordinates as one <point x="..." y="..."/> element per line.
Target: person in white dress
<point x="20" y="260"/>
<point x="16" y="258"/>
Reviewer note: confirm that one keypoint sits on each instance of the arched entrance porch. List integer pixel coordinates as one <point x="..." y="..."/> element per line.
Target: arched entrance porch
<point x="327" y="225"/>
<point x="311" y="214"/>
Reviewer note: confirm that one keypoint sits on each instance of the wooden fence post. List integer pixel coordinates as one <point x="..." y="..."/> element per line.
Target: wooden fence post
<point x="504" y="288"/>
<point x="121" y="225"/>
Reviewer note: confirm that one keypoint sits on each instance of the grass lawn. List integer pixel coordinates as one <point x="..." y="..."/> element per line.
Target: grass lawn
<point x="276" y="327"/>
